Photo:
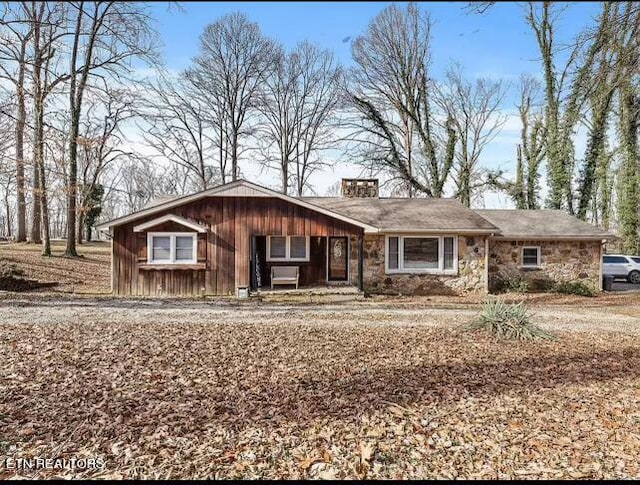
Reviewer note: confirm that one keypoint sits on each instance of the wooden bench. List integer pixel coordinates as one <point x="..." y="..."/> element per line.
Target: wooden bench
<point x="284" y="275"/>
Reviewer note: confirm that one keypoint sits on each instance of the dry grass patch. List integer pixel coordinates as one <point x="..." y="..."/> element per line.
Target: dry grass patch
<point x="299" y="398"/>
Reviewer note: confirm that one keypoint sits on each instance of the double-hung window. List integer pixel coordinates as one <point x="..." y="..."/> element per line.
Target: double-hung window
<point x="287" y="248"/>
<point x="172" y="248"/>
<point x="531" y="256"/>
<point x="422" y="254"/>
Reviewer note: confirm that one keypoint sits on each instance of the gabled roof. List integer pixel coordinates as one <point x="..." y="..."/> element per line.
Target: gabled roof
<point x="169" y="218"/>
<point x="238" y="188"/>
<point x="541" y="224"/>
<point x="432" y="215"/>
<point x="396" y="215"/>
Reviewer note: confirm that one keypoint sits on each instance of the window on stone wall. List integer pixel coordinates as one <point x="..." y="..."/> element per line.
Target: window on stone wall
<point x="421" y="254"/>
<point x="531" y="256"/>
<point x="448" y="253"/>
<point x="393" y="256"/>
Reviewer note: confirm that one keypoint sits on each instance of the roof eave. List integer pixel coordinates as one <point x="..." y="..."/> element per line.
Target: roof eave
<point x="564" y="237"/>
<point x="487" y="232"/>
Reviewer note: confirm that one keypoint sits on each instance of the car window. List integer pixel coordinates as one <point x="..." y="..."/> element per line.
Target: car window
<point x="615" y="260"/>
<point x="636" y="260"/>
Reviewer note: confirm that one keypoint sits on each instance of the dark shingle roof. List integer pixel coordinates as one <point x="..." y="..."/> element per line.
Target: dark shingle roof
<point x="554" y="224"/>
<point x="408" y="215"/>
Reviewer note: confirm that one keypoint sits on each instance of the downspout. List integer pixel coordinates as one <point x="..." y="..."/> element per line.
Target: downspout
<point x="360" y="262"/>
<point x="111" y="235"/>
<point x="601" y="270"/>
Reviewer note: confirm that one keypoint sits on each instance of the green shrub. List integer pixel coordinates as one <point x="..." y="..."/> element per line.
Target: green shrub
<point x="574" y="288"/>
<point x="542" y="285"/>
<point x="512" y="321"/>
<point x="512" y="284"/>
<point x="518" y="285"/>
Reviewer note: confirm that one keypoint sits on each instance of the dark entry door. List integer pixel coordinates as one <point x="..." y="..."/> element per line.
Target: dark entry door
<point x="338" y="258"/>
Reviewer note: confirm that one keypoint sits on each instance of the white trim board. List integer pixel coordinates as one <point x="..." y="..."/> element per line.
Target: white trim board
<point x="172" y="248"/>
<point x="170" y="218"/>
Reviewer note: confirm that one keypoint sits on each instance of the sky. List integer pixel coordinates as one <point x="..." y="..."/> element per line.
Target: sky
<point x="497" y="44"/>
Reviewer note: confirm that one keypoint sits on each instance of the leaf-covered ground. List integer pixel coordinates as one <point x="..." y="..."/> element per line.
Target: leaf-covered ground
<point x="361" y="390"/>
<point x="87" y="274"/>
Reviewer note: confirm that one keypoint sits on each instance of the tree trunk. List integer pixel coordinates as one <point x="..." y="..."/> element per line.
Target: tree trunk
<point x="35" y="213"/>
<point x="595" y="148"/>
<point x="72" y="188"/>
<point x="74" y="114"/>
<point x="284" y="172"/>
<point x="44" y="206"/>
<point x="21" y="235"/>
<point x="80" y="225"/>
<point x="76" y="94"/>
<point x="234" y="156"/>
<point x="38" y="152"/>
<point x="629" y="176"/>
<point x="6" y="204"/>
<point x="519" y="188"/>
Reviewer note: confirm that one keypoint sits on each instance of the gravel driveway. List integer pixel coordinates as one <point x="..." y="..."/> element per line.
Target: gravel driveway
<point x="623" y="318"/>
<point x="622" y="285"/>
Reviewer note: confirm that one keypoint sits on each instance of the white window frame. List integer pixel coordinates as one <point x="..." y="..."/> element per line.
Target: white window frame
<point x="439" y="270"/>
<point x="172" y="247"/>
<point x="538" y="259"/>
<point x="287" y="251"/>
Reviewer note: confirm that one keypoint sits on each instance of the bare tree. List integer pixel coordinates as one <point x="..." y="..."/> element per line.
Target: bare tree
<point x="531" y="149"/>
<point x="234" y="58"/>
<point x="392" y="94"/>
<point x="616" y="62"/>
<point x="142" y="182"/>
<point x="7" y="172"/>
<point x="176" y="125"/>
<point x="628" y="202"/>
<point x="474" y="111"/>
<point x="15" y="35"/>
<point x="101" y="145"/>
<point x="580" y="79"/>
<point x="106" y="37"/>
<point x="299" y="100"/>
<point x="48" y="20"/>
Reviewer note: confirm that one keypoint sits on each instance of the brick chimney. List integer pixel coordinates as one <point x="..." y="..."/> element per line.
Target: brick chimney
<point x="363" y="188"/>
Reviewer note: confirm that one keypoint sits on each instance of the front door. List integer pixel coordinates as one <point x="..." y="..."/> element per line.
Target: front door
<point x="338" y="258"/>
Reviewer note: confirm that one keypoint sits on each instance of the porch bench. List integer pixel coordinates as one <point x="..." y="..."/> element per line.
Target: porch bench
<point x="284" y="275"/>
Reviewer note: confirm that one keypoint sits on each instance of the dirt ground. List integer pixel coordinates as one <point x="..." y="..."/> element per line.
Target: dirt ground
<point x="377" y="388"/>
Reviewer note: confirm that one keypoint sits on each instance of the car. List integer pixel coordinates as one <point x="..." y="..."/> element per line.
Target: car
<point x="622" y="266"/>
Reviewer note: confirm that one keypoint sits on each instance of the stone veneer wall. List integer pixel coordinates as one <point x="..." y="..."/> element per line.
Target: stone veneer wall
<point x="470" y="277"/>
<point x="559" y="261"/>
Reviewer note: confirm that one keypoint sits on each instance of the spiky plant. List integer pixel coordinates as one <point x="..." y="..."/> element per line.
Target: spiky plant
<point x="510" y="321"/>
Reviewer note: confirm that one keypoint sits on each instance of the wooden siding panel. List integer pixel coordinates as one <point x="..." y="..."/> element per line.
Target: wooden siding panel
<point x="232" y="221"/>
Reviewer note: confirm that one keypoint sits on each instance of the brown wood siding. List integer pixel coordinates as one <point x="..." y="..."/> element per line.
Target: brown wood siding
<point x="224" y="249"/>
